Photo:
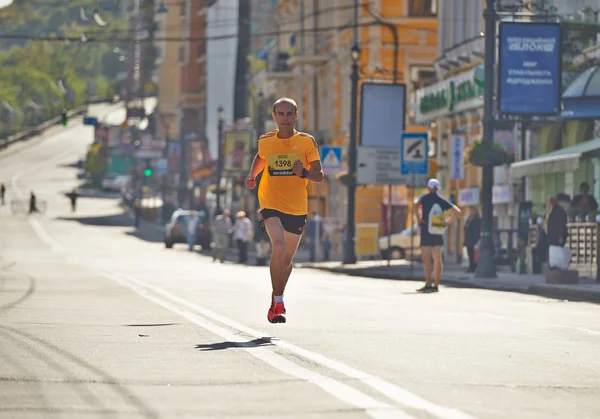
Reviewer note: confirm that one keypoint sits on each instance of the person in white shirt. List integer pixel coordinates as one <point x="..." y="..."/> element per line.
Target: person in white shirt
<point x="242" y="234"/>
<point x="221" y="230"/>
<point x="191" y="223"/>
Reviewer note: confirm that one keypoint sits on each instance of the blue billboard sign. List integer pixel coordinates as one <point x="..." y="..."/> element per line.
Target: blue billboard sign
<point x="529" y="69"/>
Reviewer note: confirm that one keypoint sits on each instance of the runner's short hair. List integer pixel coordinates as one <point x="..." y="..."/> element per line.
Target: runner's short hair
<point x="286" y="100"/>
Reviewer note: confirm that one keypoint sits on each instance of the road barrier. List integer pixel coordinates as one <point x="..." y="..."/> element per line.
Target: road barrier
<point x="36" y="130"/>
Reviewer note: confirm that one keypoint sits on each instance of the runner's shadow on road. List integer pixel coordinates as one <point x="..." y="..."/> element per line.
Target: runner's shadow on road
<point x="255" y="343"/>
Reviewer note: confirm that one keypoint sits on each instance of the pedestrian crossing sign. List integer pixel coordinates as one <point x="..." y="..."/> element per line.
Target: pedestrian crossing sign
<point x="331" y="159"/>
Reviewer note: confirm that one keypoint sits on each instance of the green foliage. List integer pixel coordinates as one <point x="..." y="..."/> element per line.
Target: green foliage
<point x="31" y="70"/>
<point x="487" y="154"/>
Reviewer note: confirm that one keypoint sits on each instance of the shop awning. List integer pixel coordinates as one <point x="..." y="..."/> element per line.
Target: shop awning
<point x="565" y="160"/>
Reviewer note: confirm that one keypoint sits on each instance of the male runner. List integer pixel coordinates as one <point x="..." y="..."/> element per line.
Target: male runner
<point x="433" y="220"/>
<point x="290" y="159"/>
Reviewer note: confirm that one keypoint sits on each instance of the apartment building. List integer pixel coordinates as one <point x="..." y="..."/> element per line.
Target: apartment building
<point x="453" y="109"/>
<point x="309" y="58"/>
<point x="192" y="66"/>
<point x="168" y="22"/>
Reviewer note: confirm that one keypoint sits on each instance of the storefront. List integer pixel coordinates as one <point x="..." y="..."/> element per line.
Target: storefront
<point x="454" y="110"/>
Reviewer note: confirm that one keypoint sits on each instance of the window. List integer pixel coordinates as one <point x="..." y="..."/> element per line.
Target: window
<point x="182" y="9"/>
<point x="201" y="51"/>
<point x="182" y="57"/>
<point x="422" y="7"/>
<point x="421" y="76"/>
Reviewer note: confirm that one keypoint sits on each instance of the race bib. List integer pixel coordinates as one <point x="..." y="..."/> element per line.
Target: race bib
<point x="281" y="164"/>
<point x="437" y="222"/>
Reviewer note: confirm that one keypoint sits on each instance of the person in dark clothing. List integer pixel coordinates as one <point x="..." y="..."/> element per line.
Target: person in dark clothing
<point x="555" y="224"/>
<point x="32" y="203"/>
<point x="432" y="217"/>
<point x="472" y="233"/>
<point x="73" y="195"/>
<point x="584" y="201"/>
<point x="2" y="192"/>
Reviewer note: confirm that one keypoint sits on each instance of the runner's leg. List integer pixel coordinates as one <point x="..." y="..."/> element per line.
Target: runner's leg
<point x="438" y="264"/>
<point x="277" y="266"/>
<point x="426" y="255"/>
<point x="291" y="246"/>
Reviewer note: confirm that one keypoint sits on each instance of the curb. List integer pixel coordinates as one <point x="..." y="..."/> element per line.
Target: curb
<point x="563" y="293"/>
<point x="543" y="290"/>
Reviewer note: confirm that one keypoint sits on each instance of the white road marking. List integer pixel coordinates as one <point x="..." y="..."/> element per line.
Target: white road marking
<point x="337" y="389"/>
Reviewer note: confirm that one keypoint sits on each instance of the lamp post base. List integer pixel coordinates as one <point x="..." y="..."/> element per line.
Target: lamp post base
<point x="486" y="266"/>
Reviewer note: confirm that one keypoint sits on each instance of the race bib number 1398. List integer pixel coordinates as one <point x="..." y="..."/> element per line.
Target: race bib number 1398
<point x="281" y="164"/>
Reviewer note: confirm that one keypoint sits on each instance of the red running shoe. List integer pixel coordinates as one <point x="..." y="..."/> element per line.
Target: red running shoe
<point x="276" y="313"/>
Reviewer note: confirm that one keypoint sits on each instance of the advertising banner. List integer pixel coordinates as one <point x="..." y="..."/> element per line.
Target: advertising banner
<point x="382" y="114"/>
<point x="367" y="236"/>
<point x="238" y="151"/>
<point x="529" y="69"/>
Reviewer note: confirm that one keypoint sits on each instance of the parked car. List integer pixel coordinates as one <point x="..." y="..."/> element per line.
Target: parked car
<point x="175" y="229"/>
<point x="401" y="244"/>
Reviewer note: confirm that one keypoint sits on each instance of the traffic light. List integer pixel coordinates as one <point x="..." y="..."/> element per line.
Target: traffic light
<point x="63" y="115"/>
<point x="147" y="172"/>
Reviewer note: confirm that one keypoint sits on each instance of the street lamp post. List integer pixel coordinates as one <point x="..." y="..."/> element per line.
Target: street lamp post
<point x="182" y="164"/>
<point x="486" y="267"/>
<point x="220" y="115"/>
<point x="350" y="254"/>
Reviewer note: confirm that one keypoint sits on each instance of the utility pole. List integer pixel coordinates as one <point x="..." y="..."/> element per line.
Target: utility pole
<point x="486" y="267"/>
<point x="350" y="251"/>
<point x="221" y="117"/>
<point x="240" y="103"/>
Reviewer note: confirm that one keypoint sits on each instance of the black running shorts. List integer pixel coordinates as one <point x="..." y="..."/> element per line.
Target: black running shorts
<point x="431" y="240"/>
<point x="291" y="223"/>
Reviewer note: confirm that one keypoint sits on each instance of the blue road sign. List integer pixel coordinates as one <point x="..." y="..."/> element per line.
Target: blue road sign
<point x="414" y="149"/>
<point x="331" y="158"/>
<point x="90" y="120"/>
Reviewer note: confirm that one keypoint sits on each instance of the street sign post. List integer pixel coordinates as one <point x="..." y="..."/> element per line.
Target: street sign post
<point x="331" y="159"/>
<point x="90" y="120"/>
<point x="379" y="166"/>
<point x="414" y="165"/>
<point x="414" y="159"/>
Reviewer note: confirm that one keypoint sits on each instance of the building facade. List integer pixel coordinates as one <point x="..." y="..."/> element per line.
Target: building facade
<point x="308" y="57"/>
<point x="167" y="21"/>
<point x="453" y="109"/>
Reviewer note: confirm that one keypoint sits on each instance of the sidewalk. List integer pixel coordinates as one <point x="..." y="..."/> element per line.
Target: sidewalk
<point x="455" y="276"/>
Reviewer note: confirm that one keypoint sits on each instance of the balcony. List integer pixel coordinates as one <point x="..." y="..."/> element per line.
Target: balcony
<point x="307" y="59"/>
<point x="278" y="67"/>
<point x="464" y="54"/>
<point x="314" y="55"/>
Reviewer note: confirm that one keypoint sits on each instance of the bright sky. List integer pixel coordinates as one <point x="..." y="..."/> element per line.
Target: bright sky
<point x="5" y="2"/>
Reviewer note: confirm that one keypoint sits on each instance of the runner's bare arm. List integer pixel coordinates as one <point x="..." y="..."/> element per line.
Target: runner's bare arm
<point x="419" y="211"/>
<point x="454" y="213"/>
<point x="258" y="164"/>
<point x="315" y="174"/>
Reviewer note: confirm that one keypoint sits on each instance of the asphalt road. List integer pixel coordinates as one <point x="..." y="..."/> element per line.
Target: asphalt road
<point x="97" y="321"/>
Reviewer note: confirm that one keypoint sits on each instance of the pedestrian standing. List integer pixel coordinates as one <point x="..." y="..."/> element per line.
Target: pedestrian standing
<point x="221" y="229"/>
<point x="472" y="233"/>
<point x="191" y="225"/>
<point x="432" y="217"/>
<point x="2" y="192"/>
<point x="242" y="234"/>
